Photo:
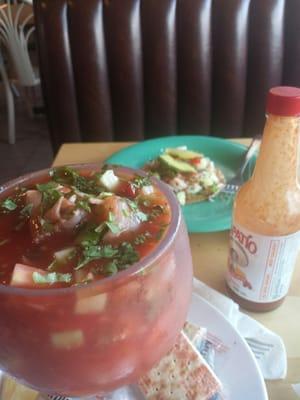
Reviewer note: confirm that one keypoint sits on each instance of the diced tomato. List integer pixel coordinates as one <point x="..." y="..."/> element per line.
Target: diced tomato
<point x="195" y="161"/>
<point x="127" y="190"/>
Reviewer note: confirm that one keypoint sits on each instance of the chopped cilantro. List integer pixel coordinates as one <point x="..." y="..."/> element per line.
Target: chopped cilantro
<point x="89" y="239"/>
<point x="108" y="251"/>
<point x="84" y="204"/>
<point x="140" y="239"/>
<point x="156" y="211"/>
<point x="50" y="194"/>
<point x="110" y="224"/>
<point x="132" y="205"/>
<point x="123" y="255"/>
<point x="102" y="228"/>
<point x="48" y="186"/>
<point x="90" y="234"/>
<point x="111" y="268"/>
<point x="47" y="226"/>
<point x="27" y="210"/>
<point x="92" y="252"/>
<point x="140" y="181"/>
<point x="68" y="176"/>
<point x="142" y="216"/>
<point x="113" y="227"/>
<point x="52" y="277"/>
<point x="9" y="204"/>
<point x="127" y="255"/>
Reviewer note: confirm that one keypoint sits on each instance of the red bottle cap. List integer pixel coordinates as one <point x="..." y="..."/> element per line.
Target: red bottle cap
<point x="284" y="101"/>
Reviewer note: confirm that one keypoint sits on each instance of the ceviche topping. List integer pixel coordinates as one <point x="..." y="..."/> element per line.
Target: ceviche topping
<point x="191" y="175"/>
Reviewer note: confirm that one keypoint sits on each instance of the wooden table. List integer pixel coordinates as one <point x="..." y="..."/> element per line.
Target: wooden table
<point x="209" y="255"/>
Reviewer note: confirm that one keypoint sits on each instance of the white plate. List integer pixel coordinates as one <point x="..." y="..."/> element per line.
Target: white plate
<point x="236" y="367"/>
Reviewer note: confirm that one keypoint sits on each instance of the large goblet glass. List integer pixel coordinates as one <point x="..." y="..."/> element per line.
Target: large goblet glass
<point x="95" y="338"/>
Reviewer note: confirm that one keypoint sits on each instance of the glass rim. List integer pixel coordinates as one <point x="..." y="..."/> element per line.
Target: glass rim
<point x="121" y="276"/>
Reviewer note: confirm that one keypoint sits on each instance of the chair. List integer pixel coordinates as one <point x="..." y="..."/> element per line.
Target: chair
<point x="135" y="69"/>
<point x="15" y="39"/>
<point x="11" y="125"/>
<point x="14" y="19"/>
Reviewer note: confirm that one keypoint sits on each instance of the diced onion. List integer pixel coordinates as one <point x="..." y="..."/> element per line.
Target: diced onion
<point x="62" y="256"/>
<point x="67" y="340"/>
<point x="146" y="190"/>
<point x="90" y="305"/>
<point x="109" y="180"/>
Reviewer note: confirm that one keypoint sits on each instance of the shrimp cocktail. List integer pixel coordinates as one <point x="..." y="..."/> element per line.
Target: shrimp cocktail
<point x="95" y="278"/>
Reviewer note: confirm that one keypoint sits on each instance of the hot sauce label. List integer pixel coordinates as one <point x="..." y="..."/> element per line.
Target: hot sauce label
<point x="260" y="267"/>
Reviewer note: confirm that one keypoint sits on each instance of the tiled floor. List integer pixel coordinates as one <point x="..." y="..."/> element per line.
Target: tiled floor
<point x="32" y="150"/>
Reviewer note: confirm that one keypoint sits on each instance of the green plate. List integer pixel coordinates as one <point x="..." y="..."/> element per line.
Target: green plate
<point x="205" y="216"/>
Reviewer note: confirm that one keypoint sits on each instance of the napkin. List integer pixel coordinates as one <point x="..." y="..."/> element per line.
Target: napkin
<point x="296" y="387"/>
<point x="267" y="346"/>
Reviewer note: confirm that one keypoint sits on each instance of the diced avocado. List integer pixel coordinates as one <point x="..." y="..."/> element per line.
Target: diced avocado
<point x="181" y="197"/>
<point x="183" y="154"/>
<point x="178" y="165"/>
<point x="67" y="340"/>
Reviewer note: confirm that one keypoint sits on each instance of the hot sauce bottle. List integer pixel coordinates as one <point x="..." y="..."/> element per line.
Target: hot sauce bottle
<point x="265" y="236"/>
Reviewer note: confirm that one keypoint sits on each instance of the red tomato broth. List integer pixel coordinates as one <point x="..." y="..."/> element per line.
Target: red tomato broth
<point x="21" y="248"/>
<point x="135" y="323"/>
